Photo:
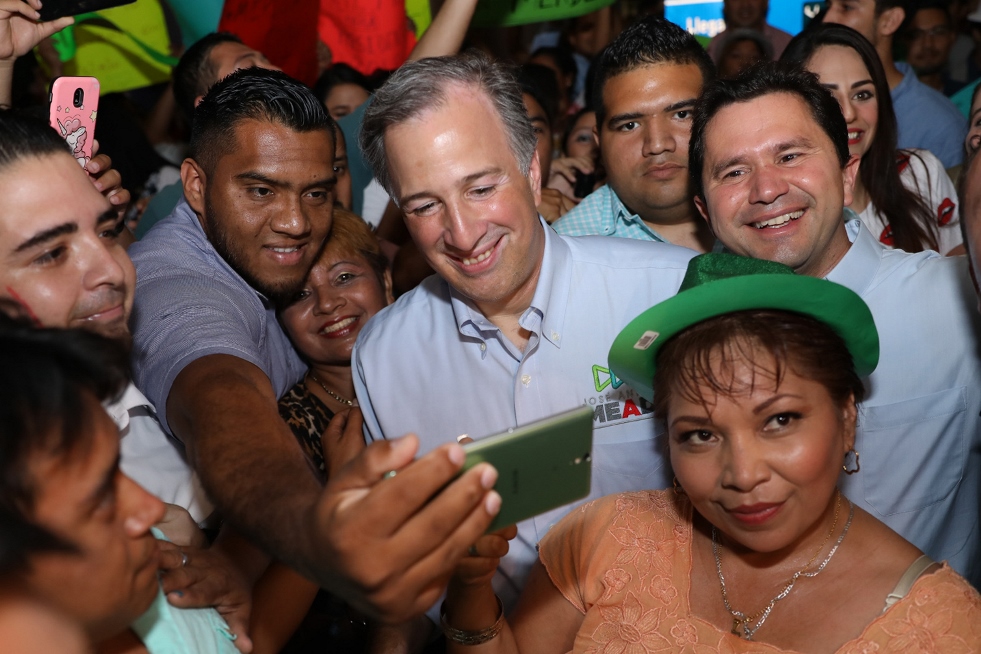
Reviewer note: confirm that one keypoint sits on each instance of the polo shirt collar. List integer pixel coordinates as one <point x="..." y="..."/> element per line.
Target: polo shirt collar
<point x="620" y="212"/>
<point x="546" y="314"/>
<point x="858" y="267"/>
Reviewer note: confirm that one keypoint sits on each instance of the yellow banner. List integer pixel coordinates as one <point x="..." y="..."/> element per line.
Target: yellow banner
<point x="114" y="58"/>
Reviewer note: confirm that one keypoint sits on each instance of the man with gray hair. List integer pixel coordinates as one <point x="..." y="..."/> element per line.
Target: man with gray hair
<point x="517" y="323"/>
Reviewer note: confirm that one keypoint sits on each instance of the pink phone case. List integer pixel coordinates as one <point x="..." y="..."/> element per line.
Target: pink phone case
<point x="74" y="106"/>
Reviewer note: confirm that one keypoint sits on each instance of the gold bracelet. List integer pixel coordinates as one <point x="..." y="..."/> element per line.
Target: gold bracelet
<point x="472" y="637"/>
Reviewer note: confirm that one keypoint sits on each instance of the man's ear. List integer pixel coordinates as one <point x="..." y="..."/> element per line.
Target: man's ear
<point x="889" y="21"/>
<point x="198" y="100"/>
<point x="387" y="278"/>
<point x="535" y="178"/>
<point x="702" y="209"/>
<point x="848" y="175"/>
<point x="195" y="182"/>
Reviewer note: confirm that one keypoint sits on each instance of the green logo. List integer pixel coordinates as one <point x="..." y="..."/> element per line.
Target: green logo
<point x="610" y="379"/>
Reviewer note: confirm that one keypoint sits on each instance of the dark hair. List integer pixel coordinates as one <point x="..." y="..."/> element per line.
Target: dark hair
<point x="252" y="94"/>
<point x="906" y="212"/>
<point x="732" y="37"/>
<point x="707" y="353"/>
<point x="23" y="136"/>
<point x="195" y="73"/>
<point x="336" y="75"/>
<point x="20" y="539"/>
<point x="564" y="61"/>
<point x="419" y="86"/>
<point x="755" y="82"/>
<point x="652" y="40"/>
<point x="940" y="5"/>
<point x="540" y="83"/>
<point x="48" y="381"/>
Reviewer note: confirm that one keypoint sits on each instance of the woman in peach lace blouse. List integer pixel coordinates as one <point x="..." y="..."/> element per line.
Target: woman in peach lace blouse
<point x="757" y="372"/>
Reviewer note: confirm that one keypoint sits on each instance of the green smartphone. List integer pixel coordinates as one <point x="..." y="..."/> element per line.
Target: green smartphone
<point x="540" y="466"/>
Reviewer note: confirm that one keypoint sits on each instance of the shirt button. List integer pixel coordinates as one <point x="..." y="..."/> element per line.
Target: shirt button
<point x="555" y="335"/>
<point x="525" y="379"/>
<point x="483" y="347"/>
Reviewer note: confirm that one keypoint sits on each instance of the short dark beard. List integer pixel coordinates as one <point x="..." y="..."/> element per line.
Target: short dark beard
<point x="278" y="295"/>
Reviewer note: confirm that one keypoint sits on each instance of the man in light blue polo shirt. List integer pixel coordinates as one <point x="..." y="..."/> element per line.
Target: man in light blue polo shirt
<point x="771" y="173"/>
<point x="517" y="323"/>
<point x="646" y="83"/>
<point x="926" y="119"/>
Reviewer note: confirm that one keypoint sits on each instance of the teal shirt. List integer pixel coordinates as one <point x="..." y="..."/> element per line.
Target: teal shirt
<point x="601" y="213"/>
<point x="166" y="629"/>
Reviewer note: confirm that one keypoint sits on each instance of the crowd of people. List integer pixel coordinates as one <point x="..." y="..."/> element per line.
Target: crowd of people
<point x="234" y="404"/>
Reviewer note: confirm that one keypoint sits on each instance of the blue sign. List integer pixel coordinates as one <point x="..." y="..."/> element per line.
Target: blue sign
<point x="704" y="17"/>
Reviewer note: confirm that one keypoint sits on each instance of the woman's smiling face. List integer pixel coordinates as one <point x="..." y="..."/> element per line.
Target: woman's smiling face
<point x="761" y="460"/>
<point x="842" y="71"/>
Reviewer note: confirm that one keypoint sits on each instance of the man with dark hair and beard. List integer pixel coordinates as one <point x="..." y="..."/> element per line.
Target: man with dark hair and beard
<point x="257" y="208"/>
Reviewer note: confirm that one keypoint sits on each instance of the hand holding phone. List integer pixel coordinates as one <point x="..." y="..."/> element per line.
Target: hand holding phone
<point x="20" y="30"/>
<point x="73" y="110"/>
<point x="57" y="8"/>
<point x="584" y="184"/>
<point x="540" y="466"/>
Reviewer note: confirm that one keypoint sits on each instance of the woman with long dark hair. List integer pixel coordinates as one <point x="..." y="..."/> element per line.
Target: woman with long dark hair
<point x="904" y="197"/>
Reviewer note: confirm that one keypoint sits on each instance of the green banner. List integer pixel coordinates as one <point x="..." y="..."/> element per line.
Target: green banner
<point x="418" y="12"/>
<point x="503" y="13"/>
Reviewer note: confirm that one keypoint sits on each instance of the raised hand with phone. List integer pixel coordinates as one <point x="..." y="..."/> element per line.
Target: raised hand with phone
<point x="21" y="29"/>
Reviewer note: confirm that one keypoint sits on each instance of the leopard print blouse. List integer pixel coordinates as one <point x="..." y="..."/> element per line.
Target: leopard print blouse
<point x="307" y="416"/>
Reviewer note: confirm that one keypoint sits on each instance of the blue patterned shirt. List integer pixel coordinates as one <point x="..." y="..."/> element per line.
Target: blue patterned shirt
<point x="602" y="213"/>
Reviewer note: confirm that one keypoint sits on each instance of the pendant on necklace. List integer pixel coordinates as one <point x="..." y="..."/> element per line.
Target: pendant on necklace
<point x="741" y="628"/>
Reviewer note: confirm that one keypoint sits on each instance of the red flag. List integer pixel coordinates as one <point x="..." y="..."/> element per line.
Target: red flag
<point x="285" y="32"/>
<point x="366" y="34"/>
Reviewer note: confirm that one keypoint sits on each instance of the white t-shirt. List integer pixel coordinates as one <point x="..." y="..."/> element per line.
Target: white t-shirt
<point x="154" y="460"/>
<point x="922" y="173"/>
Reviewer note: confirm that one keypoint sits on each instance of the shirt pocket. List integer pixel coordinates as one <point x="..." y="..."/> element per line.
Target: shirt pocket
<point x="913" y="452"/>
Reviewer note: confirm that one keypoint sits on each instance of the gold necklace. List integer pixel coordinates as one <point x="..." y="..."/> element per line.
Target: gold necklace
<point x="334" y="395"/>
<point x="741" y="623"/>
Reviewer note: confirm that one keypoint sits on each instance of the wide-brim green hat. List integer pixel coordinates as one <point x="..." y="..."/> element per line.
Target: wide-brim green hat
<point x="718" y="283"/>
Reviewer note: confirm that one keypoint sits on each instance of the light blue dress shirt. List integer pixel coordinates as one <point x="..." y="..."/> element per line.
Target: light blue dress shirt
<point x="927" y="119"/>
<point x="919" y="435"/>
<point x="434" y="365"/>
<point x="602" y="213"/>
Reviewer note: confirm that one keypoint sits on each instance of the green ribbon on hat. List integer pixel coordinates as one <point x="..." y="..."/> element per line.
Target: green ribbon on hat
<point x="706" y="269"/>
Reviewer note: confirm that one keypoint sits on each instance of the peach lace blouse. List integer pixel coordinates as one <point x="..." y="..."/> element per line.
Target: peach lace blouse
<point x="625" y="562"/>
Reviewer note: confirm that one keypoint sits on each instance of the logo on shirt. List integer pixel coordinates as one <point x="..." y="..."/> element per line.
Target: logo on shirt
<point x="945" y="211"/>
<point x="616" y="404"/>
<point x="902" y="161"/>
<point x="603" y="377"/>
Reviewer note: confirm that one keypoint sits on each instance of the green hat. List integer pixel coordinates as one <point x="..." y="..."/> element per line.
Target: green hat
<point x="719" y="283"/>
